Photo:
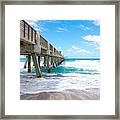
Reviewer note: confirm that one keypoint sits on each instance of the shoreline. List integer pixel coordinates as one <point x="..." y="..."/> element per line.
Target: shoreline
<point x="68" y="94"/>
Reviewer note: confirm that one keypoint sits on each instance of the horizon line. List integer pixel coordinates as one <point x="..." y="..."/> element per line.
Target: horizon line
<point x="80" y="58"/>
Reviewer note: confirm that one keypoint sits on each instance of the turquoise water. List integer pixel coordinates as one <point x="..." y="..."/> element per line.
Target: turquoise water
<point x="73" y="69"/>
<point x="73" y="65"/>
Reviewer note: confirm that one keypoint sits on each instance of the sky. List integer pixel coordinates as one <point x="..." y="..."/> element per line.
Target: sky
<point x="74" y="38"/>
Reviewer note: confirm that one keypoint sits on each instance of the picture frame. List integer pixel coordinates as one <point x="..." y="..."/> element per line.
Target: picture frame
<point x="70" y="2"/>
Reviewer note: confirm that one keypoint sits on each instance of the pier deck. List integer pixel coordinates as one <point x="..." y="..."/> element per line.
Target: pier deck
<point x="32" y="44"/>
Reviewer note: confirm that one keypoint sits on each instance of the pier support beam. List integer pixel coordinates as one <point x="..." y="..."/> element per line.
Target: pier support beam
<point x="26" y="62"/>
<point x="47" y="60"/>
<point x="56" y="61"/>
<point x="52" y="61"/>
<point x="29" y="63"/>
<point x="37" y="68"/>
<point x="44" y="60"/>
<point x="49" y="70"/>
<point x="39" y="60"/>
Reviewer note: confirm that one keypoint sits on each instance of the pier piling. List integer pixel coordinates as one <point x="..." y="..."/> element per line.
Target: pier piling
<point x="37" y="68"/>
<point x="29" y="63"/>
<point x="39" y="60"/>
<point x="26" y="60"/>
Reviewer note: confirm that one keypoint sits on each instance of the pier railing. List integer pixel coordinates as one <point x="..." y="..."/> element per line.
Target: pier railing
<point x="27" y="33"/>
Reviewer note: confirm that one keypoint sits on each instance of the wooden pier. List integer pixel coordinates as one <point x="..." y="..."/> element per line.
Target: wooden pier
<point x="34" y="46"/>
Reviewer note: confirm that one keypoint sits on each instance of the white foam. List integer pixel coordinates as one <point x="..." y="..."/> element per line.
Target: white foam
<point x="86" y="64"/>
<point x="48" y="84"/>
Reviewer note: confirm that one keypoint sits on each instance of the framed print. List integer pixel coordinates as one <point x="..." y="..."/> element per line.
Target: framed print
<point x="60" y="59"/>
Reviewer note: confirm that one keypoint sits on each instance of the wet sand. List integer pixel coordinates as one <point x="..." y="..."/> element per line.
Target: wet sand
<point x="68" y="94"/>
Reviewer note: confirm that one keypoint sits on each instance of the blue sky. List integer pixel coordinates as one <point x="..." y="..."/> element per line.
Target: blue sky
<point x="75" y="38"/>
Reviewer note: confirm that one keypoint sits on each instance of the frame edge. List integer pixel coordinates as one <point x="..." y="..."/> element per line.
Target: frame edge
<point x="117" y="37"/>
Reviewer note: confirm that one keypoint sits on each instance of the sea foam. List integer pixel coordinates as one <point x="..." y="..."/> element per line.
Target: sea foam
<point x="56" y="81"/>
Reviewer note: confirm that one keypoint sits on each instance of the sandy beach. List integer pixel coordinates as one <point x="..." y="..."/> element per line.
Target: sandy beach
<point x="69" y="94"/>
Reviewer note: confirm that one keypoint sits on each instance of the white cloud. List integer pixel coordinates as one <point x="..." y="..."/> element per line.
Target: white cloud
<point x="92" y="38"/>
<point x="37" y="25"/>
<point x="51" y="21"/>
<point x="58" y="31"/>
<point x="97" y="48"/>
<point x="75" y="50"/>
<point x="69" y="50"/>
<point x="32" y="22"/>
<point x="61" y="29"/>
<point x="41" y="29"/>
<point x="83" y="27"/>
<point x="96" y="22"/>
<point x="59" y="48"/>
<point x="82" y="51"/>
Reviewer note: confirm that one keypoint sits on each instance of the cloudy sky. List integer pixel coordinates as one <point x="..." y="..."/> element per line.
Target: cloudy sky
<point x="75" y="38"/>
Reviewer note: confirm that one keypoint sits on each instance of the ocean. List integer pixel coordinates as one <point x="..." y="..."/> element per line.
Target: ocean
<point x="73" y="73"/>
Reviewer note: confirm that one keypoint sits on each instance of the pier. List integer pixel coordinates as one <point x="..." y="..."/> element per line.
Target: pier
<point x="34" y="46"/>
